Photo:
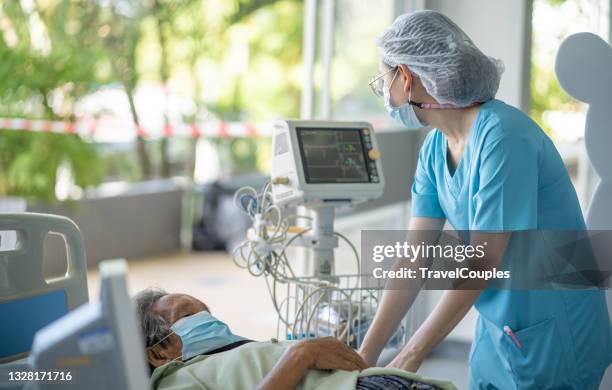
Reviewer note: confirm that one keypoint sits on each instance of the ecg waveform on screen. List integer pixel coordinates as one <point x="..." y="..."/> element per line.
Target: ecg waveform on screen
<point x="334" y="156"/>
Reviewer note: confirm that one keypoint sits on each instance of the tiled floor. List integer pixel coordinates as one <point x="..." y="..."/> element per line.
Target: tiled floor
<point x="237" y="298"/>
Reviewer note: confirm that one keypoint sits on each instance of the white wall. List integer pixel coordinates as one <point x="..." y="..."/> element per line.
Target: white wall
<point x="501" y="29"/>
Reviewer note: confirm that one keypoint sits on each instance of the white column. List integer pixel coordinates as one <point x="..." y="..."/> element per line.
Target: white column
<point x="610" y="22"/>
<point x="327" y="54"/>
<point x="308" y="47"/>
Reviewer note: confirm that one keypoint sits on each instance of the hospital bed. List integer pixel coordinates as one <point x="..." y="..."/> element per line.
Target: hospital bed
<point x="51" y="335"/>
<point x="28" y="302"/>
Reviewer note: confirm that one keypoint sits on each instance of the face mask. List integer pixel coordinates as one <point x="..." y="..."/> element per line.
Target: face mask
<point x="201" y="333"/>
<point x="404" y="113"/>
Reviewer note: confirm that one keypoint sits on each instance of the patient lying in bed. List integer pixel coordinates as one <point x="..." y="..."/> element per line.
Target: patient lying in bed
<point x="188" y="348"/>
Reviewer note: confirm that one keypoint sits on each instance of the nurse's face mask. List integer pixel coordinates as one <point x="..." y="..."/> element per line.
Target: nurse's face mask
<point x="404" y="113"/>
<point x="201" y="333"/>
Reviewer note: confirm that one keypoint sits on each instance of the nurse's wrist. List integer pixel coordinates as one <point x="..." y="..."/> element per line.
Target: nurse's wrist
<point x="415" y="350"/>
<point x="369" y="352"/>
<point x="367" y="355"/>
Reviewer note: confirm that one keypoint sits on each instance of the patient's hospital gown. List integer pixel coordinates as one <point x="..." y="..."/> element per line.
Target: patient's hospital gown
<point x="246" y="366"/>
<point x="511" y="178"/>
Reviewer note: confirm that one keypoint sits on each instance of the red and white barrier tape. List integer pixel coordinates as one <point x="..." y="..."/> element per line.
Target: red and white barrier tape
<point x="92" y="128"/>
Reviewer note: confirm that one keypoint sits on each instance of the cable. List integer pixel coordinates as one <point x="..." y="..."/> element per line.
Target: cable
<point x="355" y="252"/>
<point x="264" y="254"/>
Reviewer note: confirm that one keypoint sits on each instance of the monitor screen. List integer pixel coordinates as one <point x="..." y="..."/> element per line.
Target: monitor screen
<point x="333" y="155"/>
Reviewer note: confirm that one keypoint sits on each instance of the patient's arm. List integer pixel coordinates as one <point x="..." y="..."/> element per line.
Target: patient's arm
<point x="320" y="354"/>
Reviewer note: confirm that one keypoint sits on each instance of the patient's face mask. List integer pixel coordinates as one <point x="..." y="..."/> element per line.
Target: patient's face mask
<point x="201" y="333"/>
<point x="404" y="113"/>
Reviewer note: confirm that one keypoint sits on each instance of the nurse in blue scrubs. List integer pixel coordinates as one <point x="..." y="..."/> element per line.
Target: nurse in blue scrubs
<point x="488" y="168"/>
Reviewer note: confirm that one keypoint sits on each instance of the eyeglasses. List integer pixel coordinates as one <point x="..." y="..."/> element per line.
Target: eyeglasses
<point x="378" y="82"/>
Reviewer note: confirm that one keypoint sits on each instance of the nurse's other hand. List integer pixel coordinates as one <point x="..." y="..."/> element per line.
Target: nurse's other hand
<point x="406" y="360"/>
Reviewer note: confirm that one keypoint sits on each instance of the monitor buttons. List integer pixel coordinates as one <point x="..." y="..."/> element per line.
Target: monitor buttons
<point x="373" y="154"/>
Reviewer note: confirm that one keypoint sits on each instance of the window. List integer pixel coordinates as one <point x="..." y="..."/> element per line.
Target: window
<point x="560" y="115"/>
<point x="356" y="60"/>
<point x="344" y="57"/>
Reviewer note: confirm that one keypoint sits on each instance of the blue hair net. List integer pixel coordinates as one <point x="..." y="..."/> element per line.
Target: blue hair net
<point x="451" y="68"/>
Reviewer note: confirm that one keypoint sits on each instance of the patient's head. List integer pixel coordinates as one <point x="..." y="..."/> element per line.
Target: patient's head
<point x="158" y="311"/>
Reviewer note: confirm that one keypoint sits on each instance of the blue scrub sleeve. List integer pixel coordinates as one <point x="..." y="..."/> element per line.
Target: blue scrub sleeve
<point x="425" y="202"/>
<point x="507" y="197"/>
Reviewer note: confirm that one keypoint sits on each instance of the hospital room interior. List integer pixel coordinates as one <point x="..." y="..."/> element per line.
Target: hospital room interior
<point x="191" y="192"/>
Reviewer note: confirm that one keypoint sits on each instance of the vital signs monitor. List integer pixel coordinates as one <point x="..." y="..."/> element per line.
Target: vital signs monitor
<point x="325" y="161"/>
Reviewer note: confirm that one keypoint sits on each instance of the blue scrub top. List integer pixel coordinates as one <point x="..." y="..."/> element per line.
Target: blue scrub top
<point x="512" y="178"/>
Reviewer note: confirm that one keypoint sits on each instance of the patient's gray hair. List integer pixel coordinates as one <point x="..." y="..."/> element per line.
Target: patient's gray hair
<point x="154" y="327"/>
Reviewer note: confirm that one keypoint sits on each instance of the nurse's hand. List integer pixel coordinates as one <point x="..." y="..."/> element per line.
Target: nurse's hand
<point x="407" y="360"/>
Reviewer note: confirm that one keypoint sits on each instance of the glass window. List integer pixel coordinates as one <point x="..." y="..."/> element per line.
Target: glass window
<point x="355" y="60"/>
<point x="122" y="74"/>
<point x="560" y="115"/>
<point x="554" y="20"/>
